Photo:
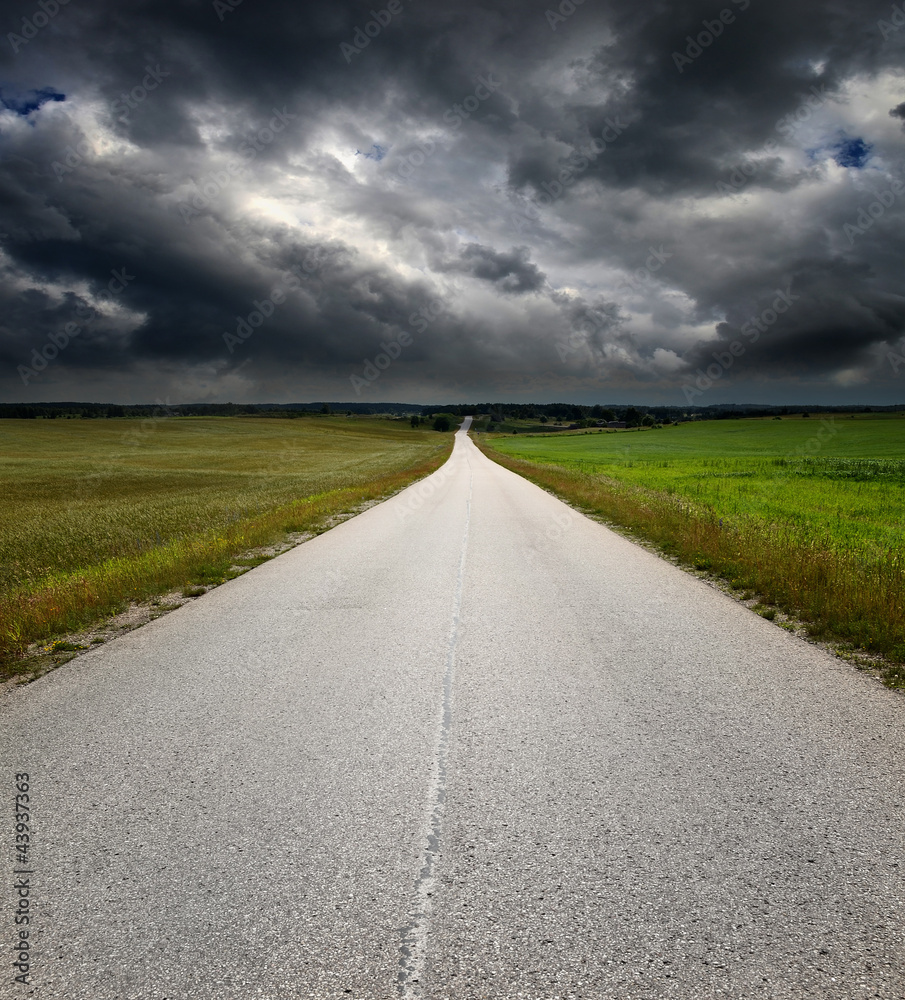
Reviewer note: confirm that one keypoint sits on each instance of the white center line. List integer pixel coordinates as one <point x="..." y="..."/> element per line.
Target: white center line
<point x="414" y="935"/>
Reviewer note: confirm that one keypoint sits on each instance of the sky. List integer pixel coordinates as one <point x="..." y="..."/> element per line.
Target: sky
<point x="607" y="201"/>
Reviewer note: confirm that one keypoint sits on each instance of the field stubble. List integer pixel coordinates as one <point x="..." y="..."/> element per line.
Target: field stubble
<point x="92" y="523"/>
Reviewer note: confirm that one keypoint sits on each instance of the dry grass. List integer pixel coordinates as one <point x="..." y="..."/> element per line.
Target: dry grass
<point x="175" y="512"/>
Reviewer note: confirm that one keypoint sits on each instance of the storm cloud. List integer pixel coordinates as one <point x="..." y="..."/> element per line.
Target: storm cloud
<point x="600" y="202"/>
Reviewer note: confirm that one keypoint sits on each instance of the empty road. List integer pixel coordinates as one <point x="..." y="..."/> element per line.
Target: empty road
<point x="467" y="744"/>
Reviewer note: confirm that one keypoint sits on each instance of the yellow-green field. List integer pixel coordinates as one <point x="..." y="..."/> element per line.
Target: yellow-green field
<point x="99" y="512"/>
<point x="808" y="514"/>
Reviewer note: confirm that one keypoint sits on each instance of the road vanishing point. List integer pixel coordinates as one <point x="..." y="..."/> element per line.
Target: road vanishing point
<point x="466" y="744"/>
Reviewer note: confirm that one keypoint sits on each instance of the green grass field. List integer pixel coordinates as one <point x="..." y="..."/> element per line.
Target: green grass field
<point x="850" y="488"/>
<point x="812" y="510"/>
<point x="98" y="512"/>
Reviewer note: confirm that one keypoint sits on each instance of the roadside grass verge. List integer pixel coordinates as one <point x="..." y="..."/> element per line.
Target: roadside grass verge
<point x="50" y="603"/>
<point x="854" y="595"/>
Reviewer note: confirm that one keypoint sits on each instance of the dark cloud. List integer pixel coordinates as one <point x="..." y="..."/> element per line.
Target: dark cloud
<point x="510" y="271"/>
<point x="589" y="207"/>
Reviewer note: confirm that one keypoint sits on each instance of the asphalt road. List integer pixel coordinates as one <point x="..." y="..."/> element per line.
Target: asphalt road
<point x="467" y="744"/>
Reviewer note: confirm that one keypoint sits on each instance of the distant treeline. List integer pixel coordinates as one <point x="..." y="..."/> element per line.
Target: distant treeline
<point x="497" y="411"/>
<point x="634" y="414"/>
<point x="26" y="411"/>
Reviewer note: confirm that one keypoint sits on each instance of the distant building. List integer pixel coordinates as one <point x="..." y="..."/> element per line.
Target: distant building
<point x="618" y="424"/>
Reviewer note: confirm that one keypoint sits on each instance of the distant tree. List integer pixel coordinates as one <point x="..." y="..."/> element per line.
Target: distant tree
<point x="325" y="408"/>
<point x="648" y="420"/>
<point x="543" y="420"/>
<point x="416" y="420"/>
<point x="441" y="422"/>
<point x="632" y="417"/>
